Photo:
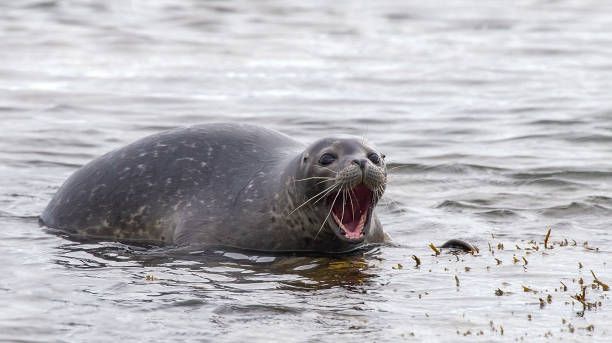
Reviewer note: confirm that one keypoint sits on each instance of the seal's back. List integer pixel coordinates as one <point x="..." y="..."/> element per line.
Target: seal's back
<point x="135" y="193"/>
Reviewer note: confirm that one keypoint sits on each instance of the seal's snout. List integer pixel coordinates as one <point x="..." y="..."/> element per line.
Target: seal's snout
<point x="361" y="163"/>
<point x="361" y="183"/>
<point x="350" y="176"/>
<point x="361" y="171"/>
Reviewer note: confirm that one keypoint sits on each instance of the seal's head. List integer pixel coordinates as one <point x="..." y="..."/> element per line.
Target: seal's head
<point x="343" y="179"/>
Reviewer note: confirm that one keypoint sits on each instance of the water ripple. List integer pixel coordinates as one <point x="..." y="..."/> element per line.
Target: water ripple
<point x="496" y="117"/>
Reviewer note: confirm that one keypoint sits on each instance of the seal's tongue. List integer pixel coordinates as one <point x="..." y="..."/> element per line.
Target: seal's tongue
<point x="351" y="210"/>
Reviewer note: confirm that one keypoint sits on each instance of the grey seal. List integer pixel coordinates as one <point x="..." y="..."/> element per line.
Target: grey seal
<point x="234" y="185"/>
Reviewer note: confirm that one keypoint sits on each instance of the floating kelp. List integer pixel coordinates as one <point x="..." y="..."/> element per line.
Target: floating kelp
<point x="433" y="247"/>
<point x="546" y="239"/>
<point x="603" y="285"/>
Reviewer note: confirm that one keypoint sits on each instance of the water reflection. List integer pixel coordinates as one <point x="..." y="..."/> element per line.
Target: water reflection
<point x="234" y="267"/>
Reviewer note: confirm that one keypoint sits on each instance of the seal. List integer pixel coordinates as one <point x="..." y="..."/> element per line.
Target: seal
<point x="233" y="185"/>
<point x="459" y="245"/>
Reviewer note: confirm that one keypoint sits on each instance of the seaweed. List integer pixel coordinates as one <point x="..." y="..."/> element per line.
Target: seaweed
<point x="604" y="286"/>
<point x="546" y="239"/>
<point x="433" y="247"/>
<point x="527" y="289"/>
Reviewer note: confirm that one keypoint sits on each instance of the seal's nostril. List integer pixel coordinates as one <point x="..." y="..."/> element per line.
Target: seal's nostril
<point x="360" y="163"/>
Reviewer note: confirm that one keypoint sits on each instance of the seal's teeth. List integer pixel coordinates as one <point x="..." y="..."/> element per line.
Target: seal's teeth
<point x="339" y="222"/>
<point x="362" y="220"/>
<point x="351" y="234"/>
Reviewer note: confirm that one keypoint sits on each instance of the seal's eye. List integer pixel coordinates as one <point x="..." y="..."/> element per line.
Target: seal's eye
<point x="327" y="159"/>
<point x="374" y="158"/>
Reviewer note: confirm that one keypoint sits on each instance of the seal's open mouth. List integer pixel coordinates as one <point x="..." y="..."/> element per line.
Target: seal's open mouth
<point x="351" y="212"/>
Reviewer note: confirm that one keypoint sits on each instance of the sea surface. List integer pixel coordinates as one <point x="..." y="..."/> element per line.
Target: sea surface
<point x="495" y="117"/>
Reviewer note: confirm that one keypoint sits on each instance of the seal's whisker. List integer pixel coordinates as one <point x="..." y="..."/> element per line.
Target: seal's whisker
<point x="343" y="200"/>
<point x="314" y="196"/>
<point x="329" y="190"/>
<point x="389" y="203"/>
<point x="327" y="217"/>
<point x="400" y="166"/>
<point x="351" y="199"/>
<point x="378" y="193"/>
<point x="379" y="190"/>
<point x="333" y="171"/>
<point x="356" y="197"/>
<point x="324" y="195"/>
<point x="320" y="182"/>
<point x="318" y="196"/>
<point x="315" y="177"/>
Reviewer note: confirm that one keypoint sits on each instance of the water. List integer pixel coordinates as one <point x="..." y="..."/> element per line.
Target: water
<point x="497" y="120"/>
